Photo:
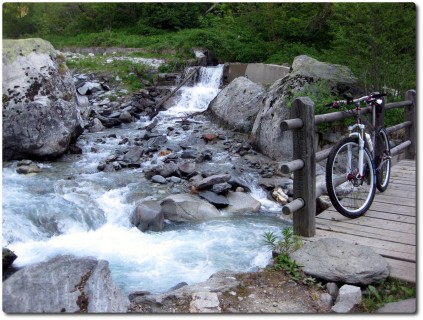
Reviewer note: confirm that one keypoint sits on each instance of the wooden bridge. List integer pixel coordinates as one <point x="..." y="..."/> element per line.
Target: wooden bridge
<point x="389" y="226"/>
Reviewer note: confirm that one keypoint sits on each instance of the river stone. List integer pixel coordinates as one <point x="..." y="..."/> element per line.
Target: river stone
<point x="215" y="199"/>
<point x="64" y="284"/>
<point x="348" y="297"/>
<point x="133" y="156"/>
<point x="8" y="258"/>
<point x="187" y="207"/>
<point x="40" y="112"/>
<point x="237" y="104"/>
<point x="241" y="203"/>
<point x="211" y="180"/>
<point x="204" y="302"/>
<point x="148" y="216"/>
<point x="335" y="260"/>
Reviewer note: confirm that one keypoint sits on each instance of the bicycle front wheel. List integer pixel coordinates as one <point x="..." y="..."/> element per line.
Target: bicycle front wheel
<point x="350" y="193"/>
<point x="383" y="160"/>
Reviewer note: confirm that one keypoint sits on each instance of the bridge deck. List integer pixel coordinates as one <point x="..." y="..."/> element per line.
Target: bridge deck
<point x="389" y="227"/>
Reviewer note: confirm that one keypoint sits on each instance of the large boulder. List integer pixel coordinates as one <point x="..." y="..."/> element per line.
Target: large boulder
<point x="335" y="260"/>
<point x="64" y="284"/>
<point x="40" y="112"/>
<point x="242" y="203"/>
<point x="148" y="216"/>
<point x="237" y="104"/>
<point x="340" y="78"/>
<point x="187" y="207"/>
<point x="307" y="73"/>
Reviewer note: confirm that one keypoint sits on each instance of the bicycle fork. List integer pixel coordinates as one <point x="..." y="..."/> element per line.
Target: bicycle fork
<point x="352" y="173"/>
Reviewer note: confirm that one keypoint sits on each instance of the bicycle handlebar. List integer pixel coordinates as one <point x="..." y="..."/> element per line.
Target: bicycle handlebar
<point x="349" y="100"/>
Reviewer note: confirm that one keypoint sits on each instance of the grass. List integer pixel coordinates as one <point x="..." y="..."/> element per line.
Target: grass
<point x="386" y="291"/>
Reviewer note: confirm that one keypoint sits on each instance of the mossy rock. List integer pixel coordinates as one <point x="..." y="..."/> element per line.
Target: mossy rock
<point x="12" y="49"/>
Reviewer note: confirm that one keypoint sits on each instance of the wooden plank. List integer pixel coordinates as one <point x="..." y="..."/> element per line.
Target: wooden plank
<point x="393" y="200"/>
<point x="399" y="194"/>
<point x="401" y="187"/>
<point x="364" y="231"/>
<point x="384" y="248"/>
<point x="389" y="208"/>
<point x="366" y="221"/>
<point x="403" y="270"/>
<point x="374" y="214"/>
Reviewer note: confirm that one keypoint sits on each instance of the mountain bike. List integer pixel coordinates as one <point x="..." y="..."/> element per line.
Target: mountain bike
<point x="360" y="163"/>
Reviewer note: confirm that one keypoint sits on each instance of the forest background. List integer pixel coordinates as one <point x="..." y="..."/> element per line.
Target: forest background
<point x="376" y="40"/>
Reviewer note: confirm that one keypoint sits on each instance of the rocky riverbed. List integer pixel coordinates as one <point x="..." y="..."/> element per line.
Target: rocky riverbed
<point x="145" y="199"/>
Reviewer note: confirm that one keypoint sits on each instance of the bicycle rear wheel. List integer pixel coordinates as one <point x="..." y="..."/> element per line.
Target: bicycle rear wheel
<point x="350" y="193"/>
<point x="382" y="160"/>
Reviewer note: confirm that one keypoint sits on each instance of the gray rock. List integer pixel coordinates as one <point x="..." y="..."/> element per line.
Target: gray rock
<point x="332" y="289"/>
<point x="187" y="168"/>
<point x="348" y="297"/>
<point x="219" y="282"/>
<point x="64" y="284"/>
<point x="335" y="260"/>
<point x="267" y="135"/>
<point x="204" y="302"/>
<point x="8" y="258"/>
<point x="404" y="306"/>
<point x="133" y="156"/>
<point x="148" y="216"/>
<point x="187" y="207"/>
<point x="95" y="125"/>
<point x="89" y="88"/>
<point x="242" y="203"/>
<point x="211" y="180"/>
<point x="159" y="179"/>
<point x="165" y="170"/>
<point x="237" y="104"/>
<point x="125" y="117"/>
<point x="274" y="182"/>
<point x="236" y="182"/>
<point x="24" y="168"/>
<point x="221" y="188"/>
<point x="335" y="74"/>
<point x="215" y="199"/>
<point x="40" y="113"/>
<point x="326" y="299"/>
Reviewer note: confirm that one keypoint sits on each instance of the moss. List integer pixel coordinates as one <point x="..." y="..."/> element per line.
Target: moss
<point x="12" y="49"/>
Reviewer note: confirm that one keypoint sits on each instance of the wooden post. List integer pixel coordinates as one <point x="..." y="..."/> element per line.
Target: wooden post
<point x="304" y="219"/>
<point x="410" y="114"/>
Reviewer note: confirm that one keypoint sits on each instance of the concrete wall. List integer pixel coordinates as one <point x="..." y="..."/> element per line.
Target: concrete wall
<point x="257" y="72"/>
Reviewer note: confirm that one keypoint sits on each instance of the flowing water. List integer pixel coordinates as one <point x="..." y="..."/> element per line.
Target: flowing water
<point x="72" y="208"/>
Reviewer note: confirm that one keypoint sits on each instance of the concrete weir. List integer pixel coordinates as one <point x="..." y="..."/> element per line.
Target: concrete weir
<point x="257" y="72"/>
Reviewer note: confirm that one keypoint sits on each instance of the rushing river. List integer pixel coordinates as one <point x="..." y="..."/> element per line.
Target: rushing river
<point x="72" y="208"/>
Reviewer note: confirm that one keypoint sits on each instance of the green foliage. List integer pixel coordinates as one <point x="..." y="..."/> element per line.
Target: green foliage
<point x="130" y="72"/>
<point x="385" y="291"/>
<point x="288" y="244"/>
<point x="376" y="40"/>
<point x="283" y="262"/>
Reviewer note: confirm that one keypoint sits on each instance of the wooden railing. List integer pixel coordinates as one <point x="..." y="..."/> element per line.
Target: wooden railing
<point x="303" y="123"/>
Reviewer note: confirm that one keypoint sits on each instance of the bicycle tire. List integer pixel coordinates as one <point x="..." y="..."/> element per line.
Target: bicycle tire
<point x="383" y="172"/>
<point x="351" y="196"/>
